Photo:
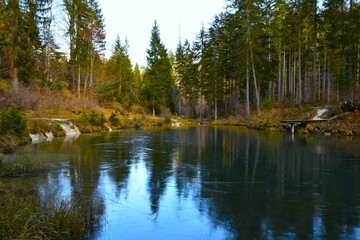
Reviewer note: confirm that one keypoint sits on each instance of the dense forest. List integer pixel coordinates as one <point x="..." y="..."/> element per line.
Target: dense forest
<point x="256" y="54"/>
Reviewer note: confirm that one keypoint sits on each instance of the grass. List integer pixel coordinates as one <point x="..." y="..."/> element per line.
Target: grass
<point x="44" y="126"/>
<point x="16" y="167"/>
<point x="24" y="215"/>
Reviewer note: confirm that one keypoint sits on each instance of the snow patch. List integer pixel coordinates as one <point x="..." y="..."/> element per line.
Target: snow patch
<point x="36" y="138"/>
<point x="320" y="112"/>
<point x="70" y="128"/>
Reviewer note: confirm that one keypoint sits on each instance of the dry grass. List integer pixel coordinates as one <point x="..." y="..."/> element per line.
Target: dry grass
<point x="24" y="216"/>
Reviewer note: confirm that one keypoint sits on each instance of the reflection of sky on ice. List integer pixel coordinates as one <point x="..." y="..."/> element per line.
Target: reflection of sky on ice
<point x="178" y="217"/>
<point x="58" y="184"/>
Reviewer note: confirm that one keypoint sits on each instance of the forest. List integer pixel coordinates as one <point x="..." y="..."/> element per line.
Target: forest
<point x="255" y="54"/>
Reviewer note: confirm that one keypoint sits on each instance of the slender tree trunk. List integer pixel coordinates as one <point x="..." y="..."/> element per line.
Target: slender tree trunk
<point x="358" y="70"/>
<point x="284" y="75"/>
<point x="351" y="85"/>
<point x="294" y="75"/>
<point x="216" y="108"/>
<point x="299" y="98"/>
<point x="306" y="82"/>
<point x="79" y="81"/>
<point x="314" y="52"/>
<point x="289" y="73"/>
<point x="14" y="77"/>
<point x="328" y="85"/>
<point x="92" y="60"/>
<point x="257" y="97"/>
<point x="279" y="79"/>
<point x="247" y="90"/>
<point x="201" y="104"/>
<point x="343" y="51"/>
<point x="324" y="78"/>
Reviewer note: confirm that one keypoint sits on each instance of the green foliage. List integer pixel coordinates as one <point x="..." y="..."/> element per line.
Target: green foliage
<point x="158" y="76"/>
<point x="167" y="120"/>
<point x="114" y="120"/>
<point x="94" y="118"/>
<point x="119" y="74"/>
<point x="13" y="122"/>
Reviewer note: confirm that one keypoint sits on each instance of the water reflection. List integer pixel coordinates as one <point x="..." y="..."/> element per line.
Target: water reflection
<point x="210" y="183"/>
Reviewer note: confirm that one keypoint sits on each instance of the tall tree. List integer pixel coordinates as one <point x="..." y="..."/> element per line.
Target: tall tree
<point x="19" y="38"/>
<point x="119" y="72"/>
<point x="158" y="74"/>
<point x="187" y="75"/>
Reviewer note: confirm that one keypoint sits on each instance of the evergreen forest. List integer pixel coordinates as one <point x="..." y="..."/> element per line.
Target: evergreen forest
<point x="255" y="54"/>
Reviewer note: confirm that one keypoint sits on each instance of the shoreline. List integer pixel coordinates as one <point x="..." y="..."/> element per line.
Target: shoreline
<point x="344" y="124"/>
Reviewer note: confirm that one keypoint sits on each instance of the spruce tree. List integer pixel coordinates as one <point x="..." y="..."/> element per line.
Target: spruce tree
<point x="158" y="75"/>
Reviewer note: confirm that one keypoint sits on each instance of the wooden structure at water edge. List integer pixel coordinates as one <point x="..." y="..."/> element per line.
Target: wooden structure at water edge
<point x="294" y="123"/>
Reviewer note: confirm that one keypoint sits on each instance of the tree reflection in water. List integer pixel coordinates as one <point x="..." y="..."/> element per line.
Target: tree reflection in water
<point x="245" y="184"/>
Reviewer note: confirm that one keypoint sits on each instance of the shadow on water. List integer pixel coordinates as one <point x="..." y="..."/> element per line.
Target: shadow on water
<point x="210" y="182"/>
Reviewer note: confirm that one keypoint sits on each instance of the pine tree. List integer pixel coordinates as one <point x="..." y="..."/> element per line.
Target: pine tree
<point x="187" y="75"/>
<point x="119" y="71"/>
<point x="19" y="37"/>
<point x="158" y="75"/>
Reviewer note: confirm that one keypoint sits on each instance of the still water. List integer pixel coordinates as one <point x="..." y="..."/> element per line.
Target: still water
<point x="209" y="183"/>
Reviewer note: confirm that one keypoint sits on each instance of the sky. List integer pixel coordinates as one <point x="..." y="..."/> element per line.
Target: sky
<point x="134" y="19"/>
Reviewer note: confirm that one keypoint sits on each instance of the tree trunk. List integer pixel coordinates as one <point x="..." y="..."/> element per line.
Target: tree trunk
<point x="216" y="108"/>
<point x="324" y="78"/>
<point x="257" y="97"/>
<point x="279" y="79"/>
<point x="79" y="81"/>
<point x="284" y="75"/>
<point x="247" y="90"/>
<point x="14" y="75"/>
<point x="328" y="85"/>
<point x="299" y="97"/>
<point x="351" y="85"/>
<point x="314" y="52"/>
<point x="92" y="60"/>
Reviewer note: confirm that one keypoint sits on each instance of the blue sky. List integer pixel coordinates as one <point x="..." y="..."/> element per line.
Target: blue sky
<point x="133" y="19"/>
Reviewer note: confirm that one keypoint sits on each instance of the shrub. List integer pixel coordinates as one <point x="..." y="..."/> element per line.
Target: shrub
<point x="94" y="118"/>
<point x="167" y="120"/>
<point x="114" y="120"/>
<point x="12" y="122"/>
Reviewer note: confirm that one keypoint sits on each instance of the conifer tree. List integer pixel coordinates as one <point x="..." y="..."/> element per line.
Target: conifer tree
<point x="158" y="75"/>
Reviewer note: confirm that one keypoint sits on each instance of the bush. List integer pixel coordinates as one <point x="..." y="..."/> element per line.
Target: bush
<point x="13" y="122"/>
<point x="114" y="120"/>
<point x="94" y="118"/>
<point x="167" y="120"/>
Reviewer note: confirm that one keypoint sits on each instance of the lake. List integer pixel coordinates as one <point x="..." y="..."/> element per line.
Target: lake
<point x="208" y="182"/>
